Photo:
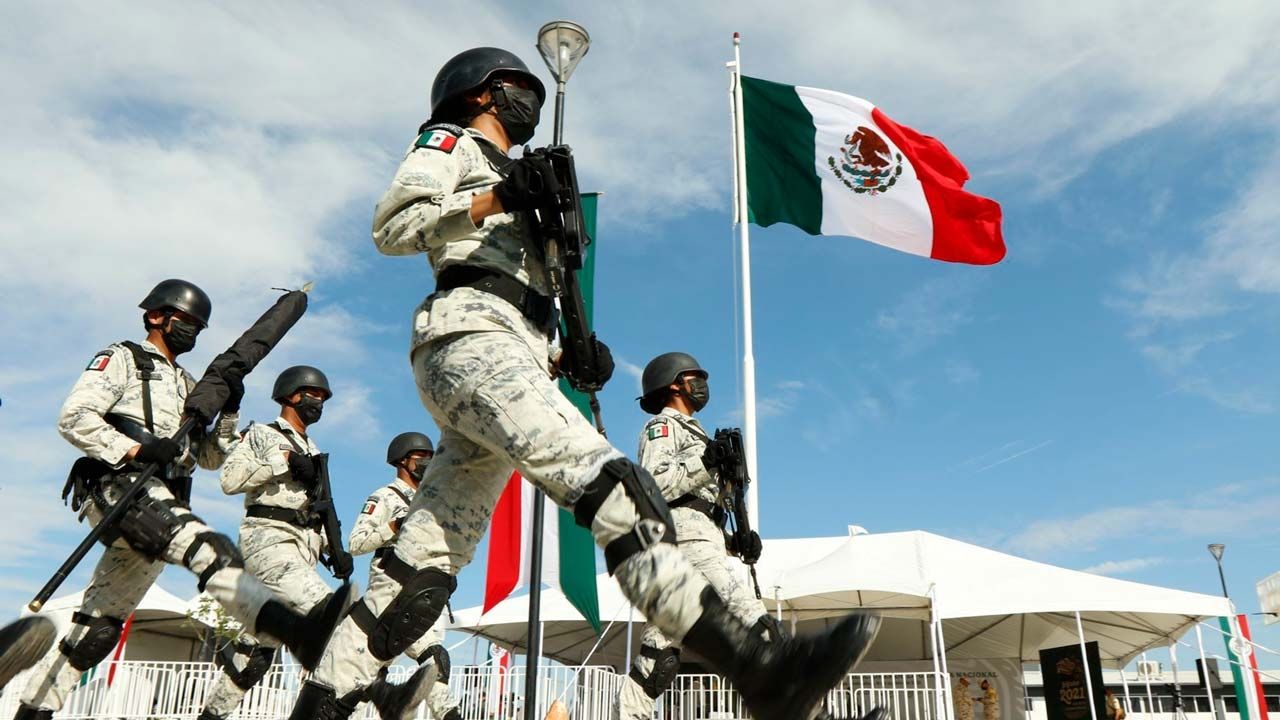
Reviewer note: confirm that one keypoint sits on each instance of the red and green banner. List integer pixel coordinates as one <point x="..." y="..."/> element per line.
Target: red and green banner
<point x="569" y="552"/>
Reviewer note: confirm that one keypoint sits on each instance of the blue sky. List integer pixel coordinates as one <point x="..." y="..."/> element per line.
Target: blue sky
<point x="1103" y="399"/>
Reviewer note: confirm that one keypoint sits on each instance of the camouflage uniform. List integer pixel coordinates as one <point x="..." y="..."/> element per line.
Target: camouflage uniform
<point x="482" y="371"/>
<point x="671" y="447"/>
<point x="374" y="530"/>
<point x="282" y="555"/>
<point x="123" y="575"/>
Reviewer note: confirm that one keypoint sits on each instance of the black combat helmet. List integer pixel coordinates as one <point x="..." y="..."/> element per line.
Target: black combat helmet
<point x="405" y="443"/>
<point x="660" y="373"/>
<point x="472" y="69"/>
<point x="297" y="377"/>
<point x="179" y="295"/>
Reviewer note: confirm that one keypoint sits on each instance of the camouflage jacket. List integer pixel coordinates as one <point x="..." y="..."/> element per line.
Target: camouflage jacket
<point x="671" y="447"/>
<point x="110" y="385"/>
<point x="258" y="468"/>
<point x="373" y="528"/>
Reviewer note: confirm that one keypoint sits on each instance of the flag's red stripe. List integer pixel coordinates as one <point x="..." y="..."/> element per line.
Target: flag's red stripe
<point x="1253" y="667"/>
<point x="115" y="659"/>
<point x="966" y="227"/>
<point x="504" y="545"/>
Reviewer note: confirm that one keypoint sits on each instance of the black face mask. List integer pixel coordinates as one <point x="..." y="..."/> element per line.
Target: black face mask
<point x="309" y="410"/>
<point x="698" y="393"/>
<point x="420" y="470"/>
<point x="518" y="112"/>
<point x="180" y="336"/>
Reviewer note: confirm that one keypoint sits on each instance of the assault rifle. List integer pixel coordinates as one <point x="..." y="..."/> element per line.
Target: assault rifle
<point x="727" y="455"/>
<point x="338" y="559"/>
<point x="562" y="229"/>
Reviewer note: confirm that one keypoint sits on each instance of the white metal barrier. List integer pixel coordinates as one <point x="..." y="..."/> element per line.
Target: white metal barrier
<point x="176" y="691"/>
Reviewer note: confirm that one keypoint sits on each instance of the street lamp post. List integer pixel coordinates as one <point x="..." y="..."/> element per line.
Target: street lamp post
<point x="562" y="45"/>
<point x="1216" y="550"/>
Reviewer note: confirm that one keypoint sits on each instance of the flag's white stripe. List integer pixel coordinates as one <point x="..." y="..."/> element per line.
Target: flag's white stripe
<point x="899" y="217"/>
<point x="550" y="539"/>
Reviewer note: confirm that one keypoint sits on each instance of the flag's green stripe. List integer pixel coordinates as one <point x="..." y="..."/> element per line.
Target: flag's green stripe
<point x="1237" y="677"/>
<point x="577" y="548"/>
<point x="782" y="183"/>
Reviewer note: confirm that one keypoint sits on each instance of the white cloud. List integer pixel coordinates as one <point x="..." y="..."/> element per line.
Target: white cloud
<point x="1190" y="516"/>
<point x="934" y="310"/>
<point x="1123" y="567"/>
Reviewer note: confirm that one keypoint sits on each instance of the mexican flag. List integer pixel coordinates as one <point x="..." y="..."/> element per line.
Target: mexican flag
<point x="834" y="164"/>
<point x="568" y="551"/>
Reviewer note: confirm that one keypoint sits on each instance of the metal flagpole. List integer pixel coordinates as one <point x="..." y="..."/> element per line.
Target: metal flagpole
<point x="748" y="348"/>
<point x="1128" y="701"/>
<point x="1084" y="657"/>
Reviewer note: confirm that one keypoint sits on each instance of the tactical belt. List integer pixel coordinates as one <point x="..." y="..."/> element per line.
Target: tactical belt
<point x="536" y="307"/>
<point x="697" y="504"/>
<point x="297" y="518"/>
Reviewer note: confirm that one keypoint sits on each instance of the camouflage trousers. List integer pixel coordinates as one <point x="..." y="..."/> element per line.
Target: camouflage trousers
<point x="727" y="575"/>
<point x="498" y="409"/>
<point x="284" y="558"/>
<point x="120" y="580"/>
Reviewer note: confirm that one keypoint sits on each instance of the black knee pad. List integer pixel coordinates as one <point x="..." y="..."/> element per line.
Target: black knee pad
<point x="441" y="657"/>
<point x="770" y="627"/>
<point x="26" y="712"/>
<point x="423" y="595"/>
<point x="148" y="525"/>
<point x="96" y="644"/>
<point x="226" y="555"/>
<point x="258" y="661"/>
<point x="666" y="665"/>
<point x="655" y="523"/>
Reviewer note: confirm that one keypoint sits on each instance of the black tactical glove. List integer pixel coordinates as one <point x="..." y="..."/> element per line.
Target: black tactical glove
<point x="528" y="184"/>
<point x="301" y="469"/>
<point x="747" y="548"/>
<point x="341" y="566"/>
<point x="235" y="391"/>
<point x="588" y="379"/>
<point x="158" y="450"/>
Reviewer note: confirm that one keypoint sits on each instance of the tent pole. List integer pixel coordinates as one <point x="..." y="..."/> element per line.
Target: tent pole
<point x="1213" y="706"/>
<point x="938" y="698"/>
<point x="1177" y="685"/>
<point x="1088" y="679"/>
<point x="946" y="672"/>
<point x="1151" y="704"/>
<point x="1128" y="701"/>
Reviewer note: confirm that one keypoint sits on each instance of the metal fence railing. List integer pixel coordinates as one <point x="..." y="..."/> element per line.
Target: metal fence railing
<point x="176" y="691"/>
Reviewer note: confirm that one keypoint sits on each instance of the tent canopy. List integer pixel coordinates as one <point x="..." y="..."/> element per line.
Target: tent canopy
<point x="992" y="605"/>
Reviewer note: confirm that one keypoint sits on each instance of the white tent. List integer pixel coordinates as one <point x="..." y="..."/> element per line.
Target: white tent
<point x="991" y="605"/>
<point x="162" y="628"/>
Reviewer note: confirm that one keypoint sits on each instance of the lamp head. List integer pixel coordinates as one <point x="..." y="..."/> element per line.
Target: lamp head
<point x="562" y="45"/>
<point x="1216" y="550"/>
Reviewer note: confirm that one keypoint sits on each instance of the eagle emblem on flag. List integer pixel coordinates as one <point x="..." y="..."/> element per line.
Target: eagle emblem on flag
<point x="865" y="163"/>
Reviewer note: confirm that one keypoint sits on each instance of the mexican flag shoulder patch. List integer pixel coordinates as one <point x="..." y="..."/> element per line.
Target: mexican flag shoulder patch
<point x="100" y="361"/>
<point x="437" y="140"/>
<point x="369" y="506"/>
<point x="659" y="430"/>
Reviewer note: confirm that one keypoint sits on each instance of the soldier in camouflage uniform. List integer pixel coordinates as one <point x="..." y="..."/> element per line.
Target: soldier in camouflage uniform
<point x="672" y="447"/>
<point x="375" y="530"/>
<point x="122" y="413"/>
<point x="281" y="535"/>
<point x="481" y="356"/>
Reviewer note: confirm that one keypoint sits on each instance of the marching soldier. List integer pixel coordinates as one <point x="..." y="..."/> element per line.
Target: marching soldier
<point x="481" y="356"/>
<point x="122" y="414"/>
<point x="672" y="447"/>
<point x="281" y="535"/>
<point x="375" y="529"/>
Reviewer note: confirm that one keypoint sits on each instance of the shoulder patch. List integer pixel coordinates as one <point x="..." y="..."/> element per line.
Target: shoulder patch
<point x="659" y="430"/>
<point x="100" y="361"/>
<point x="437" y="140"/>
<point x="369" y="506"/>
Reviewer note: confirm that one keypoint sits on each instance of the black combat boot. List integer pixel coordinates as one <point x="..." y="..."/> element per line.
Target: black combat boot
<point x="876" y="713"/>
<point x="26" y="712"/>
<point x="209" y="715"/>
<point x="317" y="702"/>
<point x="455" y="715"/>
<point x="778" y="680"/>
<point x="400" y="702"/>
<point x="22" y="643"/>
<point x="305" y="636"/>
